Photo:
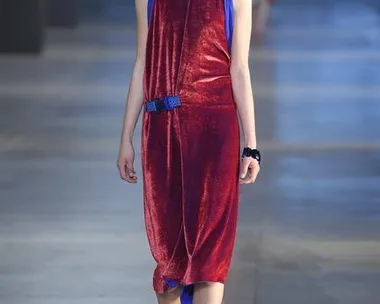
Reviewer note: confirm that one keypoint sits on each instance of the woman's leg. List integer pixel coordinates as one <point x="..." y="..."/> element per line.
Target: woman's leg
<point x="170" y="297"/>
<point x="208" y="293"/>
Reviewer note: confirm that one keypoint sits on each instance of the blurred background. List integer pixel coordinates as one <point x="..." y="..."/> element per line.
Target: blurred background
<point x="72" y="232"/>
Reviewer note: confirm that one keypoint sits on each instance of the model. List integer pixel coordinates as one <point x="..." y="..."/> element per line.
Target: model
<point x="192" y="79"/>
<point x="261" y="12"/>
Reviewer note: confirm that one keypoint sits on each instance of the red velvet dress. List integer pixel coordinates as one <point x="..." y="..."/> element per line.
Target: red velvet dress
<point x="190" y="154"/>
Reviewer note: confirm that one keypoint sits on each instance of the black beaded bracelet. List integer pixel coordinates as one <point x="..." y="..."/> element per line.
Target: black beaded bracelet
<point x="254" y="153"/>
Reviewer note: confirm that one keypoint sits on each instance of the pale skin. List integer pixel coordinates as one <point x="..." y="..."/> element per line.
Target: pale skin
<point x="205" y="293"/>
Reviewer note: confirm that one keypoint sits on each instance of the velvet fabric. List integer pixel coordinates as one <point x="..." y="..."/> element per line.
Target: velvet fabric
<point x="228" y="22"/>
<point x="190" y="155"/>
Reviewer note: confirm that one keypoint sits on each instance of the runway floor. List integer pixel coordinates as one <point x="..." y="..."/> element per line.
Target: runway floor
<point x="309" y="230"/>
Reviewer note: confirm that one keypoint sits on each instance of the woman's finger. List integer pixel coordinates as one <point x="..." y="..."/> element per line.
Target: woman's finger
<point x="127" y="173"/>
<point x="249" y="179"/>
<point x="132" y="180"/>
<point x="130" y="169"/>
<point x="122" y="170"/>
<point x="244" y="168"/>
<point x="253" y="170"/>
<point x="131" y="174"/>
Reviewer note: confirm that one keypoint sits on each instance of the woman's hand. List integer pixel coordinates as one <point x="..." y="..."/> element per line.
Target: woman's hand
<point x="125" y="162"/>
<point x="249" y="169"/>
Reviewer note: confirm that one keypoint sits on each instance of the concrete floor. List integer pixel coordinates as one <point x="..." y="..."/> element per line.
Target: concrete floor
<point x="309" y="232"/>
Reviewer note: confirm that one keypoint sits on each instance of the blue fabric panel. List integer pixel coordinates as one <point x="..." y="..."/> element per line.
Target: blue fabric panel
<point x="229" y="20"/>
<point x="186" y="294"/>
<point x="150" y="8"/>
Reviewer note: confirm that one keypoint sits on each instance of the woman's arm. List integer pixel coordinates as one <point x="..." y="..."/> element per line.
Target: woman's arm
<point x="135" y="98"/>
<point x="241" y="84"/>
<point x="136" y="95"/>
<point x="241" y="79"/>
